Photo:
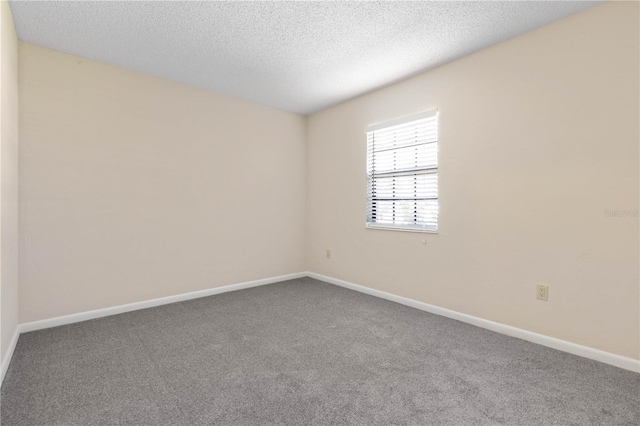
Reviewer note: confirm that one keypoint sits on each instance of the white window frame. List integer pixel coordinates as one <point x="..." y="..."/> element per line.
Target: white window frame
<point x="428" y="169"/>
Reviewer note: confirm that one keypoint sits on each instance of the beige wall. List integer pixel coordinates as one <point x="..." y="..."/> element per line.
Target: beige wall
<point x="134" y="187"/>
<point x="8" y="179"/>
<point x="538" y="137"/>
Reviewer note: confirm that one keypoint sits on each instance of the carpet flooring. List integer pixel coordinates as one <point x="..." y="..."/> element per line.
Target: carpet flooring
<point x="302" y="352"/>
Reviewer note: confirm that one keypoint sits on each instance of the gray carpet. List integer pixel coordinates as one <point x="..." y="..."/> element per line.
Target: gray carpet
<point x="302" y="352"/>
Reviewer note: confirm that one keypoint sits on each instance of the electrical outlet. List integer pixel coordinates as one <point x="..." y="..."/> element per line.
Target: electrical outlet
<point x="328" y="254"/>
<point x="542" y="292"/>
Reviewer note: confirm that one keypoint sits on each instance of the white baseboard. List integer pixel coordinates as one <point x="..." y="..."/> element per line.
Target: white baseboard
<point x="562" y="345"/>
<point x="105" y="312"/>
<point x="7" y="358"/>
<point x="551" y="342"/>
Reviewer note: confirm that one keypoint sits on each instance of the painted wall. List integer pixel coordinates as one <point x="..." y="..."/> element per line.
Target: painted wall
<point x="8" y="180"/>
<point x="538" y="140"/>
<point x="133" y="187"/>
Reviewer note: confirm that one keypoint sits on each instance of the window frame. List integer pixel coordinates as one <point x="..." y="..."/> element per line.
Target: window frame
<point x="429" y="169"/>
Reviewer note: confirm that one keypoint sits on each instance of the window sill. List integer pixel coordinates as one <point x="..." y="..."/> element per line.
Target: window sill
<point x="400" y="228"/>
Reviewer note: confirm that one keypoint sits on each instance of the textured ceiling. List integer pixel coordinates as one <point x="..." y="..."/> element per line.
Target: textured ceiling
<point x="297" y="56"/>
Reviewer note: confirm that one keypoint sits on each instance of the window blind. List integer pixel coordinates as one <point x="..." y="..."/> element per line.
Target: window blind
<point x="402" y="173"/>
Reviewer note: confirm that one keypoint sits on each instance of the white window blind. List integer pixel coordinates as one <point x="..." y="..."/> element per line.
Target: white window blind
<point x="402" y="174"/>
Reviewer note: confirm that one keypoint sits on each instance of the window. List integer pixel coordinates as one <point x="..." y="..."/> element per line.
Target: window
<point x="402" y="174"/>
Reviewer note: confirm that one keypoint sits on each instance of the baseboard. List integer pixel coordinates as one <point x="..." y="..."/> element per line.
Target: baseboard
<point x="551" y="342"/>
<point x="562" y="345"/>
<point x="7" y="358"/>
<point x="99" y="313"/>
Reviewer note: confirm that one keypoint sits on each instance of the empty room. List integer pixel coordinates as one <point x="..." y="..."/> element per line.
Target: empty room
<point x="319" y="213"/>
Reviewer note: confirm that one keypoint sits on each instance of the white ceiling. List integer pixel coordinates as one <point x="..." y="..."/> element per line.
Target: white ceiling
<point x="297" y="56"/>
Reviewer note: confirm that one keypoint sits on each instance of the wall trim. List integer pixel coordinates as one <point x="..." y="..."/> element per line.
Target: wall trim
<point x="9" y="355"/>
<point x="113" y="310"/>
<point x="541" y="339"/>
